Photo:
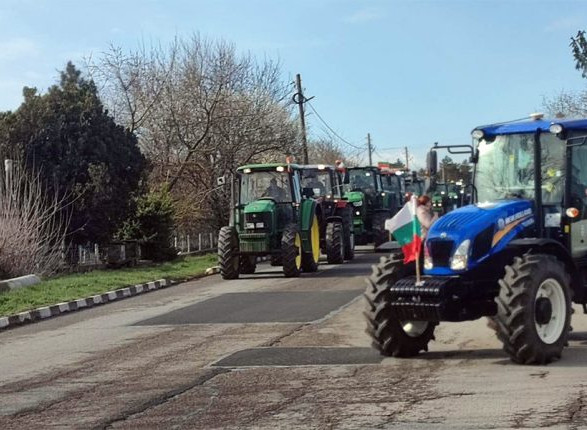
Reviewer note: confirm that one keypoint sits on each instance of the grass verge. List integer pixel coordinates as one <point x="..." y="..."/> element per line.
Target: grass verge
<point x="80" y="285"/>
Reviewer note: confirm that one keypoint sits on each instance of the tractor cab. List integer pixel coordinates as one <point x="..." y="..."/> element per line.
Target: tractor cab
<point x="324" y="183"/>
<point x="517" y="255"/>
<point x="372" y="205"/>
<point x="394" y="184"/>
<point x="414" y="186"/>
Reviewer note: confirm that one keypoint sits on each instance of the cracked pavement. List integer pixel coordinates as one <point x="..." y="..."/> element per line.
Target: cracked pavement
<point x="96" y="369"/>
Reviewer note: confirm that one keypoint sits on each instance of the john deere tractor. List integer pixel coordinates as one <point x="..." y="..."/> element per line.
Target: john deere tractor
<point x="518" y="255"/>
<point x="335" y="216"/>
<point x="372" y="205"/>
<point x="269" y="217"/>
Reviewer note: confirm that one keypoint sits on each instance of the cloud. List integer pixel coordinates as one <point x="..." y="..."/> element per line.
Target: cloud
<point x="566" y="24"/>
<point x="17" y="48"/>
<point x="363" y="15"/>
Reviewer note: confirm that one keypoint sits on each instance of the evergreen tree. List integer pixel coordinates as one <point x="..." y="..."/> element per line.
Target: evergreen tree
<point x="80" y="152"/>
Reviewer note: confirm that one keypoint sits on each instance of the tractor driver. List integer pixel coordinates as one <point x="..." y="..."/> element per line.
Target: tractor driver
<point x="274" y="191"/>
<point x="315" y="184"/>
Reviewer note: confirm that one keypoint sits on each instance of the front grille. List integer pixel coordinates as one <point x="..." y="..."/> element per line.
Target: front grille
<point x="440" y="251"/>
<point x="482" y="243"/>
<point x="256" y="217"/>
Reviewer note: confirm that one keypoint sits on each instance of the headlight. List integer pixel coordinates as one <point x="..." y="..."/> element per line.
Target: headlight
<point x="461" y="256"/>
<point x="260" y="225"/>
<point x="477" y="134"/>
<point x="358" y="213"/>
<point x="250" y="225"/>
<point x="555" y="128"/>
<point x="428" y="265"/>
<point x="357" y="204"/>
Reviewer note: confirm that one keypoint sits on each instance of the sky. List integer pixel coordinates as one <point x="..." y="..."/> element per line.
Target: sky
<point x="410" y="73"/>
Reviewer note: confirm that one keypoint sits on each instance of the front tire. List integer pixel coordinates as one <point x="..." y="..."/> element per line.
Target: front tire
<point x="349" y="234"/>
<point x="534" y="309"/>
<point x="310" y="259"/>
<point x="334" y="243"/>
<point x="228" y="258"/>
<point x="291" y="251"/>
<point x="389" y="335"/>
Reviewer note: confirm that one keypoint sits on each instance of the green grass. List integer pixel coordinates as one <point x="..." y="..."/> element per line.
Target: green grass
<point x="78" y="286"/>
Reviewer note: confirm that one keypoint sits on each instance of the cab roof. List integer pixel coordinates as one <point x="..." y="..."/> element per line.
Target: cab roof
<point x="317" y="167"/>
<point x="267" y="166"/>
<point x="532" y="126"/>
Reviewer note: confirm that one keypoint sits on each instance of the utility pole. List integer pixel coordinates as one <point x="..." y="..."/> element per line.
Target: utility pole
<point x="407" y="158"/>
<point x="369" y="148"/>
<point x="299" y="99"/>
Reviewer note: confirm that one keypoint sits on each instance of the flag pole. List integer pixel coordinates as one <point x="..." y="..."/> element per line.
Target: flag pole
<point x="415" y="233"/>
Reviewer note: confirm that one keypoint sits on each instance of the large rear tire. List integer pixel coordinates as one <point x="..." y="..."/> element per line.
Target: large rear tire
<point x="389" y="335"/>
<point x="310" y="259"/>
<point x="228" y="258"/>
<point x="349" y="234"/>
<point x="248" y="264"/>
<point x="534" y="309"/>
<point x="334" y="243"/>
<point x="291" y="251"/>
<point x="380" y="235"/>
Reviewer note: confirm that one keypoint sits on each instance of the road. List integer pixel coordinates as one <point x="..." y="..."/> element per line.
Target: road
<point x="268" y="352"/>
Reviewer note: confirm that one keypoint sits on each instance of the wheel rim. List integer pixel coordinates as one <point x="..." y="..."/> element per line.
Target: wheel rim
<point x="550" y="311"/>
<point x="315" y="239"/>
<point x="414" y="328"/>
<point x="298" y="245"/>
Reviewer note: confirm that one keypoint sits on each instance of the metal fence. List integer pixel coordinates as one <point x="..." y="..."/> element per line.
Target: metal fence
<point x="195" y="242"/>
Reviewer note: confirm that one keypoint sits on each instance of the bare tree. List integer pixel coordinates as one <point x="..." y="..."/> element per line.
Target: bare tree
<point x="31" y="230"/>
<point x="566" y="104"/>
<point x="200" y="110"/>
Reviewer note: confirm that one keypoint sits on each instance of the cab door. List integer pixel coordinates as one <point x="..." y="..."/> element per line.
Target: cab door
<point x="577" y="198"/>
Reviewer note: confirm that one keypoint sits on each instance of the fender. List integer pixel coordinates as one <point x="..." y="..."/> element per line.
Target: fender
<point x="334" y="218"/>
<point x="308" y="209"/>
<point x="553" y="247"/>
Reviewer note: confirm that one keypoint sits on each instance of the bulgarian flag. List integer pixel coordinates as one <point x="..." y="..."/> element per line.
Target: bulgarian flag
<point x="405" y="227"/>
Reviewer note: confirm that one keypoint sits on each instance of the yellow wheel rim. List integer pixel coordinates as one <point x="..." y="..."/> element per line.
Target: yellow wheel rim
<point x="298" y="245"/>
<point x="315" y="238"/>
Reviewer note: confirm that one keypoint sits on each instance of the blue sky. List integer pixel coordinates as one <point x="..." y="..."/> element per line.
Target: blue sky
<point x="410" y="73"/>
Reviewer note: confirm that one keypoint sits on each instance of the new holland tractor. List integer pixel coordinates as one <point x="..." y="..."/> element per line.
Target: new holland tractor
<point x="269" y="217"/>
<point x="324" y="183"/>
<point x="372" y="205"/>
<point x="518" y="255"/>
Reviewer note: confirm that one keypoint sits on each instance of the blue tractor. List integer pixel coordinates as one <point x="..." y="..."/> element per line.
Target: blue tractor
<point x="518" y="255"/>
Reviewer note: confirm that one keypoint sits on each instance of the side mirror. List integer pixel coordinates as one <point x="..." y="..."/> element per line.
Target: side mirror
<point x="221" y="180"/>
<point x="432" y="162"/>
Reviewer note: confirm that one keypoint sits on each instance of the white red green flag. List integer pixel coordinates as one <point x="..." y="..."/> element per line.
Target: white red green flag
<point x="405" y="228"/>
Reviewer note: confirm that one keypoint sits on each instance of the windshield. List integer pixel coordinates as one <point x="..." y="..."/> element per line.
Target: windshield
<point x="414" y="188"/>
<point x="256" y="185"/>
<point x="506" y="168"/>
<point x="391" y="183"/>
<point x="363" y="180"/>
<point x="318" y="181"/>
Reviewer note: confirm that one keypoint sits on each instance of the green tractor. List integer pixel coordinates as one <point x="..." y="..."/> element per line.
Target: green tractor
<point x="335" y="216"/>
<point x="372" y="205"/>
<point x="269" y="217"/>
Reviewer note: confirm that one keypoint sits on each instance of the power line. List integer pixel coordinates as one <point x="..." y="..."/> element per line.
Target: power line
<point x="330" y="128"/>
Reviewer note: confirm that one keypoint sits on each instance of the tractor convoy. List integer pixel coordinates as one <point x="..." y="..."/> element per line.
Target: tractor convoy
<point x="511" y="245"/>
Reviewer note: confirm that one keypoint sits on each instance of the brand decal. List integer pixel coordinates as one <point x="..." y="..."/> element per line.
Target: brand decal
<point x="510" y="219"/>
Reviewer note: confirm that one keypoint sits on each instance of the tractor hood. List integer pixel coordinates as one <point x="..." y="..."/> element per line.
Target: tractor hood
<point x="354" y="197"/>
<point x="261" y="205"/>
<point x="488" y="226"/>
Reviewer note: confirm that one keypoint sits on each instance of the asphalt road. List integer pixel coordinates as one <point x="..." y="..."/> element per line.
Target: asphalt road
<point x="268" y="352"/>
